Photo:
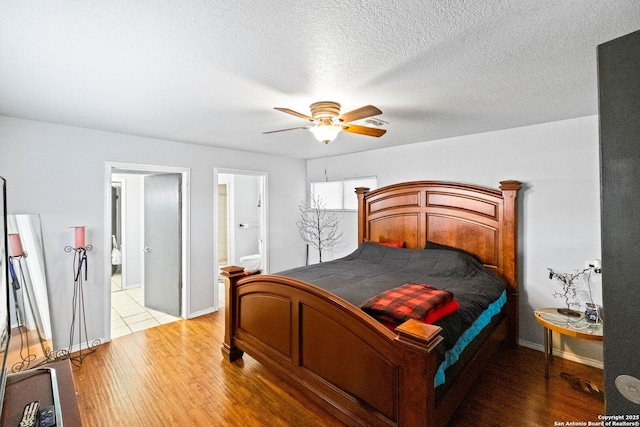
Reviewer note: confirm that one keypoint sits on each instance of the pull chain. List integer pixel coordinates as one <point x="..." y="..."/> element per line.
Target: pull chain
<point x="326" y="147"/>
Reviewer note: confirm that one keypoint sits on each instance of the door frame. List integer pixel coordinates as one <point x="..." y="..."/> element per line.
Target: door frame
<point x="117" y="167"/>
<point x="264" y="216"/>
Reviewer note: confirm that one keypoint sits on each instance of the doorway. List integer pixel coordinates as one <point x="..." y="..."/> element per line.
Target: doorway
<point x="241" y="215"/>
<point x="153" y="272"/>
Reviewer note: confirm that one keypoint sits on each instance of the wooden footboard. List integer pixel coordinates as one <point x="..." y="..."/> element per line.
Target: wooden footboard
<point x="339" y="356"/>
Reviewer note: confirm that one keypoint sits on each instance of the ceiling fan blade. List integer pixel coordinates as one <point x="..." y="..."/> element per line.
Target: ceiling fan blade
<point x="295" y="113"/>
<point x="363" y="130"/>
<point x="284" y="130"/>
<point x="360" y="113"/>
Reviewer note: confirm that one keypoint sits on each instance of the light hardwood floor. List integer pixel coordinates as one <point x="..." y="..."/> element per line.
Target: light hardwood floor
<point x="174" y="375"/>
<point x="25" y="350"/>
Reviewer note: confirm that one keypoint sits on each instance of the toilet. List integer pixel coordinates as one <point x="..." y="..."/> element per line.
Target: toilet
<point x="251" y="262"/>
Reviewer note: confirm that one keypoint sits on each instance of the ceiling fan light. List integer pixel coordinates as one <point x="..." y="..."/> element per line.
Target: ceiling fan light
<point x="326" y="133"/>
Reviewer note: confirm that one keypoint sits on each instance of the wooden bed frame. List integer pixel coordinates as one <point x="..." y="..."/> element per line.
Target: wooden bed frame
<point x="345" y="360"/>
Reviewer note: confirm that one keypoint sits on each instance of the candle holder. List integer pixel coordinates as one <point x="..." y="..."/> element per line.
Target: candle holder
<point x="21" y="294"/>
<point x="22" y="289"/>
<point x="80" y="266"/>
<point x="26" y="356"/>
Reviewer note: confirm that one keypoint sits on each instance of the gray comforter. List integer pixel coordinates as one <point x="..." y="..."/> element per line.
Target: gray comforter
<point x="372" y="269"/>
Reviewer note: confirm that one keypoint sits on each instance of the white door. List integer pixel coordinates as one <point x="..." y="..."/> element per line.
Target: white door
<point x="162" y="243"/>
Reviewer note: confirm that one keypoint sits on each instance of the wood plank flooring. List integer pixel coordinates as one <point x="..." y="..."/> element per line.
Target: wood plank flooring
<point x="174" y="375"/>
<point x="25" y="349"/>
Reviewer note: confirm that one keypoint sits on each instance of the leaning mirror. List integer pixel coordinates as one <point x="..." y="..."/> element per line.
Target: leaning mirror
<point x="31" y="339"/>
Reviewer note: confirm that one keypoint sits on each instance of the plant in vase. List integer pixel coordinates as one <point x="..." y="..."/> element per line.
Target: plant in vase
<point x="569" y="290"/>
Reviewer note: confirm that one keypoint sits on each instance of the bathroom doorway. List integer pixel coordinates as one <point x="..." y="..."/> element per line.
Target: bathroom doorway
<point x="241" y="232"/>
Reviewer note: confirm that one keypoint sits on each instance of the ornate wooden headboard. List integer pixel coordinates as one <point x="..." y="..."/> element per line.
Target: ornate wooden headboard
<point x="479" y="220"/>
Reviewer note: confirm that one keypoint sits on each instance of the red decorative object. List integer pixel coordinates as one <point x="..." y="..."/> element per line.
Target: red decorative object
<point x="16" y="245"/>
<point x="80" y="236"/>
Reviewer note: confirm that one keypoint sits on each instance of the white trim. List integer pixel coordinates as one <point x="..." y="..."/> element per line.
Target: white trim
<point x="231" y="221"/>
<point x="106" y="289"/>
<point x="186" y="232"/>
<point x="203" y="312"/>
<point x="564" y="354"/>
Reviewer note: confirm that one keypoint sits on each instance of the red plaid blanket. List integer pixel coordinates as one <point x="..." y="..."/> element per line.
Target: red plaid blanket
<point x="409" y="301"/>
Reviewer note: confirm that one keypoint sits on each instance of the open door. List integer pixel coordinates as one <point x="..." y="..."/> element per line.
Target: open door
<point x="619" y="92"/>
<point x="162" y="243"/>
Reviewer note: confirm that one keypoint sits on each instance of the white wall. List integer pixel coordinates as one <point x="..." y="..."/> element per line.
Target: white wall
<point x="58" y="172"/>
<point x="558" y="164"/>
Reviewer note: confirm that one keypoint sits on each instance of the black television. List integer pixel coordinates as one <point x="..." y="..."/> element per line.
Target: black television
<point x="5" y="325"/>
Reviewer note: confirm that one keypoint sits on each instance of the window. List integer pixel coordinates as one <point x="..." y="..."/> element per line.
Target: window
<point x="340" y="194"/>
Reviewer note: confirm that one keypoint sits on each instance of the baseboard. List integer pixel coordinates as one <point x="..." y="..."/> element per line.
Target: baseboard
<point x="84" y="347"/>
<point x="201" y="312"/>
<point x="564" y="355"/>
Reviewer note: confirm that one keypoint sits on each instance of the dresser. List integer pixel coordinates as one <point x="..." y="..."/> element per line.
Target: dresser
<point x="35" y="384"/>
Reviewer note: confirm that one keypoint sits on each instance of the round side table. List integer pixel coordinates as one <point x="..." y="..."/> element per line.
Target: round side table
<point x="577" y="327"/>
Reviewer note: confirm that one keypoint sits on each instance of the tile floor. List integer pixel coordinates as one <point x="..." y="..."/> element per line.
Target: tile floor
<point x="128" y="313"/>
<point x="221" y="292"/>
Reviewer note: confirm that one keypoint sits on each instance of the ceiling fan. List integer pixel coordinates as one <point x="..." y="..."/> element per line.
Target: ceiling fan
<point x="328" y="122"/>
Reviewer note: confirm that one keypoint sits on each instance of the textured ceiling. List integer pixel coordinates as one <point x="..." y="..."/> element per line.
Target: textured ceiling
<point x="210" y="72"/>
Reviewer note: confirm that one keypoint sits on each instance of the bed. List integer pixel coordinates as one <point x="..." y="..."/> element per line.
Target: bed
<point x="356" y="367"/>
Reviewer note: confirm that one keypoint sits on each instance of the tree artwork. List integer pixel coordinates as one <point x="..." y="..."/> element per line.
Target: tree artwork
<point x="318" y="227"/>
<point x="568" y="288"/>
